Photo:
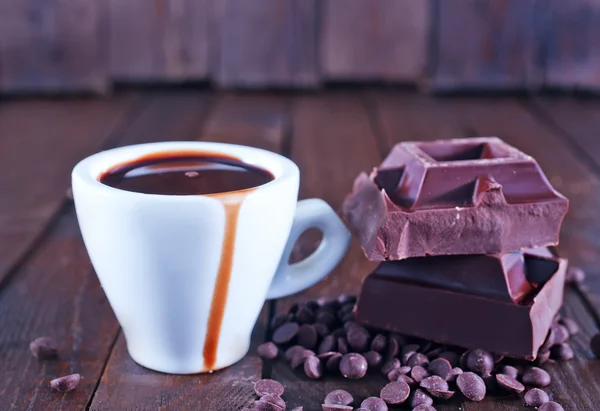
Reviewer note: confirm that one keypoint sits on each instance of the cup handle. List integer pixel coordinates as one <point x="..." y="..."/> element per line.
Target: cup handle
<point x="291" y="278"/>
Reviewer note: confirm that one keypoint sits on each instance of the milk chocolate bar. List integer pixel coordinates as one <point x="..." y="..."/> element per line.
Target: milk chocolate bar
<point x="502" y="303"/>
<point x="462" y="196"/>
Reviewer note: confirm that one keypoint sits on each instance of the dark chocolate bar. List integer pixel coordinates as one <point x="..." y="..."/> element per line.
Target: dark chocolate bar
<point x="502" y="303"/>
<point x="462" y="196"/>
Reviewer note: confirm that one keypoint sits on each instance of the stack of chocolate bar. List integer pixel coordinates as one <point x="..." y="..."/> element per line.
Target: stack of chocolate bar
<point x="461" y="228"/>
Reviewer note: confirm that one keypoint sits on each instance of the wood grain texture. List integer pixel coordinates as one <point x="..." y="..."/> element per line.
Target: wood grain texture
<point x="486" y="44"/>
<point x="40" y="142"/>
<point x="265" y="43"/>
<point x="244" y="119"/>
<point x="162" y="40"/>
<point x="51" y="46"/>
<point x="571" y="46"/>
<point x="374" y="39"/>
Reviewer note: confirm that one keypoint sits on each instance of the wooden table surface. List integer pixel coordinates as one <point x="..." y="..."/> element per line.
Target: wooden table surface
<point x="48" y="286"/>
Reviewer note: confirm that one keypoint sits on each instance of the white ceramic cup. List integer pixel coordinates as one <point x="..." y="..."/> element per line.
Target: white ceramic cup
<point x="158" y="256"/>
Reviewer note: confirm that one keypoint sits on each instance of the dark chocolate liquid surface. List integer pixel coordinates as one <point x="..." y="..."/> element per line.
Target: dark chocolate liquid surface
<point x="185" y="173"/>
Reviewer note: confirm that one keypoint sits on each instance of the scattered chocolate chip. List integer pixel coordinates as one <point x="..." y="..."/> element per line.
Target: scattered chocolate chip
<point x="551" y="406"/>
<point x="510" y="371"/>
<point x="264" y="387"/>
<point x="480" y="361"/>
<point x="417" y="359"/>
<point x="394" y="374"/>
<point x="400" y="339"/>
<point x="408" y="380"/>
<point x="509" y="383"/>
<point x="66" y="383"/>
<point x="313" y="305"/>
<point x="374" y="359"/>
<point x="435" y="353"/>
<point x="300" y="408"/>
<point x="462" y="362"/>
<point x="322" y="330"/>
<point x="536" y="397"/>
<point x="339" y="332"/>
<point x="451" y="356"/>
<point x="424" y="407"/>
<point x="379" y="343"/>
<point x="392" y="348"/>
<point x="595" y="345"/>
<point x="267" y="351"/>
<point x="270" y="402"/>
<point x="336" y="407"/>
<point x="342" y="345"/>
<point x="442" y="395"/>
<point x="562" y="352"/>
<point x="434" y="383"/>
<point x="333" y="363"/>
<point x="561" y="334"/>
<point x="418" y="373"/>
<point x="347" y="299"/>
<point x="358" y="338"/>
<point x="300" y="357"/>
<point x="471" y="385"/>
<point x="278" y="321"/>
<point x="542" y="357"/>
<point x="456" y="371"/>
<point x="313" y="368"/>
<point x="409" y="348"/>
<point x="441" y="367"/>
<point x="326" y="318"/>
<point x="307" y="336"/>
<point x="570" y="324"/>
<point x="536" y="376"/>
<point x="305" y="315"/>
<point x="326" y="355"/>
<point x="389" y="365"/>
<point x="292" y="351"/>
<point x="353" y="366"/>
<point x="374" y="404"/>
<point x="405" y="369"/>
<point x="339" y="397"/>
<point x="420" y="397"/>
<point x="285" y="333"/>
<point x="395" y="392"/>
<point x="328" y="344"/>
<point x="575" y="275"/>
<point x="44" y="348"/>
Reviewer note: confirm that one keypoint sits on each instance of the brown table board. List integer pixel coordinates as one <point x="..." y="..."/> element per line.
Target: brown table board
<point x="47" y="285"/>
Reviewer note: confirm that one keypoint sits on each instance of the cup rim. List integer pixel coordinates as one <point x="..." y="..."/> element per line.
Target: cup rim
<point x="88" y="170"/>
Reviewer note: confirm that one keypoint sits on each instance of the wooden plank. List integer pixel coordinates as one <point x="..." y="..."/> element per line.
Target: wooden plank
<point x="486" y="44"/>
<point x="570" y="45"/>
<point x="165" y="40"/>
<point x="69" y="303"/>
<point x="258" y="121"/>
<point x="375" y="39"/>
<point x="40" y="142"/>
<point x="51" y="46"/>
<point x="265" y="43"/>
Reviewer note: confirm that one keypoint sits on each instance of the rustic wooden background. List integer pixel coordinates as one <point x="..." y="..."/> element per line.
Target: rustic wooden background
<point x="438" y="45"/>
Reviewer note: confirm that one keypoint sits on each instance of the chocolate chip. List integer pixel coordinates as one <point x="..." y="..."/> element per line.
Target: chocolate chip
<point x="326" y="318"/>
<point x="321" y="329"/>
<point x="418" y="373"/>
<point x="270" y="402"/>
<point x="392" y="348"/>
<point x="66" y="383"/>
<point x="358" y="338"/>
<point x="278" y="321"/>
<point x="292" y="351"/>
<point x="471" y="385"/>
<point x="536" y="376"/>
<point x="417" y="359"/>
<point x="374" y="404"/>
<point x="300" y="408"/>
<point x="451" y="356"/>
<point x="336" y="407"/>
<point x="379" y="343"/>
<point x="456" y="371"/>
<point x="339" y="397"/>
<point x="435" y="353"/>
<point x="353" y="366"/>
<point x="410" y="348"/>
<point x="395" y="392"/>
<point x="462" y="362"/>
<point x="542" y="357"/>
<point x="561" y="334"/>
<point x="405" y="369"/>
<point x="434" y="384"/>
<point x="562" y="352"/>
<point x="424" y="407"/>
<point x="508" y="383"/>
<point x="342" y="345"/>
<point x="267" y="351"/>
<point x="328" y="344"/>
<point x="326" y="355"/>
<point x="307" y="336"/>
<point x="44" y="348"/>
<point x="536" y="397"/>
<point x="394" y="374"/>
<point x="595" y="345"/>
<point x="407" y="379"/>
<point x="551" y="406"/>
<point x="389" y="365"/>
<point x="305" y="315"/>
<point x="294" y="308"/>
<point x="575" y="275"/>
<point x="346" y="299"/>
<point x="264" y="387"/>
<point x="442" y="395"/>
<point x="420" y="397"/>
<point x="374" y="359"/>
<point x="441" y="367"/>
<point x="480" y="361"/>
<point x="400" y="339"/>
<point x="313" y="368"/>
<point x="333" y="363"/>
<point x="570" y="324"/>
<point x="510" y="371"/>
<point x="339" y="332"/>
<point x="313" y="305"/>
<point x="285" y="333"/>
<point x="300" y="357"/>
